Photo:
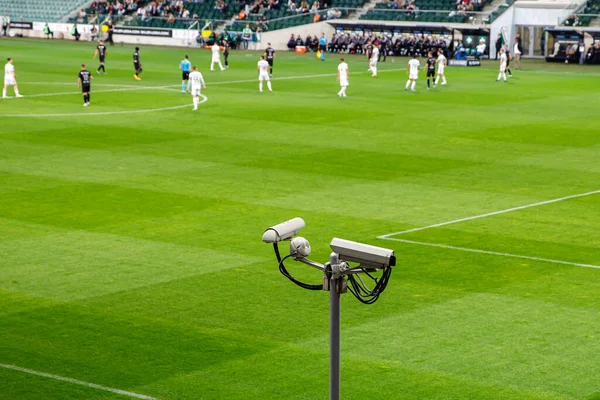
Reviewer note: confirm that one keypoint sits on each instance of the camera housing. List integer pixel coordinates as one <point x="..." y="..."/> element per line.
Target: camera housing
<point x="371" y="257"/>
<point x="284" y="231"/>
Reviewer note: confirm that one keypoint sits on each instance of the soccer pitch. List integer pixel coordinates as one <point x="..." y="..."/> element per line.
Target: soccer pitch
<point x="131" y="264"/>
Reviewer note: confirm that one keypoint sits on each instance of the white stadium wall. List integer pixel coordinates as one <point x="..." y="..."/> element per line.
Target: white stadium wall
<point x="527" y="13"/>
<point x="279" y="38"/>
<point x="172" y="37"/>
<point x="134" y="35"/>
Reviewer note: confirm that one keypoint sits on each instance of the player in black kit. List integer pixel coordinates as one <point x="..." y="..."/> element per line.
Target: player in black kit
<point x="101" y="52"/>
<point x="226" y="47"/>
<point x="270" y="56"/>
<point x="137" y="64"/>
<point x="84" y="81"/>
<point x="430" y="69"/>
<point x="369" y="50"/>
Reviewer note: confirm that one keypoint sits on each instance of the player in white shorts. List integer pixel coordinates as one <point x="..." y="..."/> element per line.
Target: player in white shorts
<point x="10" y="78"/>
<point x="216" y="57"/>
<point x="263" y="74"/>
<point x="441" y="66"/>
<point x="373" y="60"/>
<point x="342" y="77"/>
<point x="195" y="83"/>
<point x="413" y="73"/>
<point x="502" y="73"/>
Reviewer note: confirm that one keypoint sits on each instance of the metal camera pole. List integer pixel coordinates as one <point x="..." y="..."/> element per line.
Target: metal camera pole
<point x="337" y="274"/>
<point x="335" y="284"/>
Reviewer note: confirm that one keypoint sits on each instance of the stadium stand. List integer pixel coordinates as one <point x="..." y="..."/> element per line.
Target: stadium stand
<point x="285" y="17"/>
<point x="448" y="11"/>
<point x="592" y="7"/>
<point x="167" y="15"/>
<point x="39" y="10"/>
<point x="499" y="11"/>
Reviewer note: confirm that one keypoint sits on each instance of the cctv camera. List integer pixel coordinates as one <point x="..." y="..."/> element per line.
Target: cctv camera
<point x="299" y="248"/>
<point x="284" y="231"/>
<point x="372" y="257"/>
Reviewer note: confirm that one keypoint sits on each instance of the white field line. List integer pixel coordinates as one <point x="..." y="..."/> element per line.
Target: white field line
<point x="541" y="203"/>
<point x="494" y="253"/>
<point x="78" y="382"/>
<point x="123" y="89"/>
<point x="283" y="78"/>
<point x="87" y="114"/>
<point x="123" y="85"/>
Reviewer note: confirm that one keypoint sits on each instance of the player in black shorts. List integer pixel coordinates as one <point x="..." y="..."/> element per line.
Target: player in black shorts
<point x="101" y="52"/>
<point x="430" y="69"/>
<point x="369" y="50"/>
<point x="84" y="81"/>
<point x="226" y="47"/>
<point x="137" y="64"/>
<point x="508" y="58"/>
<point x="270" y="57"/>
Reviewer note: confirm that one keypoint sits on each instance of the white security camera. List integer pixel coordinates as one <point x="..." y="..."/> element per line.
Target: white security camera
<point x="299" y="248"/>
<point x="284" y="231"/>
<point x="368" y="256"/>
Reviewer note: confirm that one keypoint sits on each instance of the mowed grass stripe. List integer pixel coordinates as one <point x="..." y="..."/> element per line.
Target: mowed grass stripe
<point x="155" y="200"/>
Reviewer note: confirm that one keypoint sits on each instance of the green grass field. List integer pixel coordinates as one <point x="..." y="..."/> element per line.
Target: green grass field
<point x="130" y="251"/>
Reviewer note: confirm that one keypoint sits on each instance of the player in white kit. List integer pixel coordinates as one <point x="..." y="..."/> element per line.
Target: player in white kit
<point x="216" y="57"/>
<point x="342" y="77"/>
<point x="263" y="74"/>
<point x="195" y="83"/>
<point x="413" y="73"/>
<point x="441" y="66"/>
<point x="502" y="73"/>
<point x="10" y="78"/>
<point x="373" y="61"/>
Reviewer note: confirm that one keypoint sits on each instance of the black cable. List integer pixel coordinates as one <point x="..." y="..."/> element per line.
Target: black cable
<point x="358" y="288"/>
<point x="286" y="273"/>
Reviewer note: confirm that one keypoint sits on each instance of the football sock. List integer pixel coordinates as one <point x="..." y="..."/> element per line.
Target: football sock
<point x="271" y="71"/>
<point x="89" y="96"/>
<point x="374" y="69"/>
<point x="436" y="80"/>
<point x="183" y="87"/>
<point x="196" y="102"/>
<point x="413" y="85"/>
<point x="499" y="76"/>
<point x="260" y="86"/>
<point x="269" y="85"/>
<point x="428" y="83"/>
<point x="407" y="84"/>
<point x="16" y="91"/>
<point x="323" y="56"/>
<point x="443" y="80"/>
<point x="4" y="92"/>
<point x="84" y="99"/>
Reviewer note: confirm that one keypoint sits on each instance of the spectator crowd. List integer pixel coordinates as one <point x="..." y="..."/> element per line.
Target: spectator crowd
<point x="291" y="7"/>
<point x="398" y="45"/>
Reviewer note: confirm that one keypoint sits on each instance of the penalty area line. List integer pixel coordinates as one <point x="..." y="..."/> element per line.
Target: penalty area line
<point x="87" y="114"/>
<point x="541" y="203"/>
<point x="77" y="382"/>
<point x="122" y="89"/>
<point x="493" y="253"/>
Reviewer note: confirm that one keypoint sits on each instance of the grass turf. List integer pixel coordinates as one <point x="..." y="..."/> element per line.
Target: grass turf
<point x="130" y="251"/>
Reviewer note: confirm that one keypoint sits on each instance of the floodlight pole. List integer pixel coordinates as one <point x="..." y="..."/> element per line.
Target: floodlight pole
<point x="335" y="289"/>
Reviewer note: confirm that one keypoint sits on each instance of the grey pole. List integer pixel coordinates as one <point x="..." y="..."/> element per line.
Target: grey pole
<point x="334" y="328"/>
